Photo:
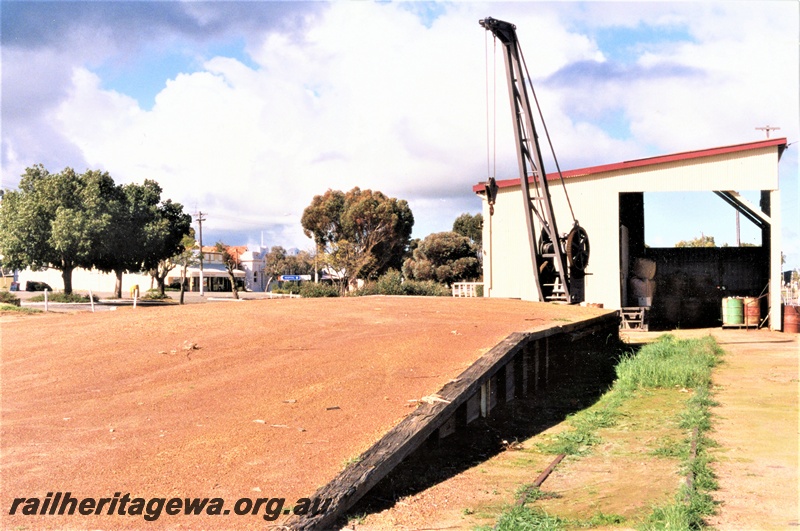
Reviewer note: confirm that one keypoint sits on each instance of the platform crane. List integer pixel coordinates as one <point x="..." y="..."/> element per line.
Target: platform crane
<point x="558" y="261"/>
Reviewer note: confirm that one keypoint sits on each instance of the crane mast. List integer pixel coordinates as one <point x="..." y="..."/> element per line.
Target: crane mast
<point x="557" y="263"/>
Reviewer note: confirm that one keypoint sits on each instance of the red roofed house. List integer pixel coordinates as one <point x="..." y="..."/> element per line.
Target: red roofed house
<point x="215" y="276"/>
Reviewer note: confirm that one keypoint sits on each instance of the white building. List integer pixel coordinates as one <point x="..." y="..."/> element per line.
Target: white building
<point x="608" y="202"/>
<point x="252" y="263"/>
<point x="215" y="276"/>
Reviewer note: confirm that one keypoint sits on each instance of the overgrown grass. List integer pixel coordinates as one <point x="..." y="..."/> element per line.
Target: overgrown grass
<point x="670" y="448"/>
<point x="530" y="493"/>
<point x="582" y="435"/>
<point x="522" y="518"/>
<point x="4" y="307"/>
<point x="667" y="363"/>
<point x="692" y="503"/>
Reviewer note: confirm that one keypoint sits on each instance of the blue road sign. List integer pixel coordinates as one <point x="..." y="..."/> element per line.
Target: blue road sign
<point x="294" y="278"/>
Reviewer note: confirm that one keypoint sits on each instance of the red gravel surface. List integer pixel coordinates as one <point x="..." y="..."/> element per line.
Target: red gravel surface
<point x="256" y="399"/>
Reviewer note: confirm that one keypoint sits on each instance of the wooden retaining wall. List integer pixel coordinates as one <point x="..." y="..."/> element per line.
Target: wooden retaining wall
<point x="517" y="366"/>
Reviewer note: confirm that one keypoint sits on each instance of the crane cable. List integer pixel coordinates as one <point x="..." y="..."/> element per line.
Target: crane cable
<point x="546" y="132"/>
<point x="491" y="145"/>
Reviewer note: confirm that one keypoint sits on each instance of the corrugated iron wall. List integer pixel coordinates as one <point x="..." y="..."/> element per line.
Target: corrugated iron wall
<point x="691" y="283"/>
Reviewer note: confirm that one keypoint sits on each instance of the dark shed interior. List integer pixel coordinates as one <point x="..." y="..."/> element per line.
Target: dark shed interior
<point x="689" y="284"/>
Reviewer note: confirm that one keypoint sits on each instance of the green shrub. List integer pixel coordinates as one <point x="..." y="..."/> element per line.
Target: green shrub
<point x="63" y="297"/>
<point x="289" y="288"/>
<point x="7" y="297"/>
<point x="154" y="295"/>
<point x="393" y="283"/>
<point x="312" y="290"/>
<point x="426" y="288"/>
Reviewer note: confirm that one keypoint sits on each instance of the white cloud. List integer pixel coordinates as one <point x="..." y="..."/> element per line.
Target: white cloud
<point x="367" y="95"/>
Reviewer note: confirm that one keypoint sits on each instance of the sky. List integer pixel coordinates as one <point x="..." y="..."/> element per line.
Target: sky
<point x="245" y="110"/>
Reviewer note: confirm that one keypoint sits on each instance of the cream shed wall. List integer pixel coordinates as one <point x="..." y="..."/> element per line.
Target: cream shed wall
<point x="595" y="197"/>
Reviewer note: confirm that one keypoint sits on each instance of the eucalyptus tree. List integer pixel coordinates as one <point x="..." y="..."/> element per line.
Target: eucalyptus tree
<point x="68" y="220"/>
<point x="163" y="239"/>
<point x="231" y="262"/>
<point x="445" y="257"/>
<point x="361" y="233"/>
<point x="57" y="220"/>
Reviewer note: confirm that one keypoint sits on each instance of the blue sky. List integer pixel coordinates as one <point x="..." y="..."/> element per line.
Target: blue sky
<point x="246" y="110"/>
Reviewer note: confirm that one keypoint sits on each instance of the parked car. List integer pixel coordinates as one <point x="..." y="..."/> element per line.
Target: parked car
<point x="33" y="285"/>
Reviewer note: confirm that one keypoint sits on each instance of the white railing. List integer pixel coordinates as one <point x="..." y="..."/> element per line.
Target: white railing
<point x="466" y="289"/>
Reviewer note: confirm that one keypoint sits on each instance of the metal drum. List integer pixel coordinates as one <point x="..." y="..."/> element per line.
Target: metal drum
<point x="752" y="311"/>
<point x="732" y="311"/>
<point x="791" y="319"/>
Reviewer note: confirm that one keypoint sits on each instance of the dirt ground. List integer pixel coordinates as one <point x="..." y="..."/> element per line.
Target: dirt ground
<point x="757" y="429"/>
<point x="224" y="400"/>
<point x="755" y="425"/>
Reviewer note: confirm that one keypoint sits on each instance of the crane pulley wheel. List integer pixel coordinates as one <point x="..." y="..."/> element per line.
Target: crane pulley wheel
<point x="578" y="248"/>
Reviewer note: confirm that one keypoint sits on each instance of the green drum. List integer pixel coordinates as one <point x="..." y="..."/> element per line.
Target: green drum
<point x="732" y="311"/>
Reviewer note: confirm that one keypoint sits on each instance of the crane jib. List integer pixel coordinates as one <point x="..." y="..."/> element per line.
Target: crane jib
<point x="558" y="263"/>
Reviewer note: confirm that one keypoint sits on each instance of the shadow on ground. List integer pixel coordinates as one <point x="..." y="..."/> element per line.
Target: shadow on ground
<point x="577" y="380"/>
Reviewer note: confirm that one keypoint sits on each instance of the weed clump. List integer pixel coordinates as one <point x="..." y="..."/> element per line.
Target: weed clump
<point x="669" y="362"/>
<point x="521" y="518"/>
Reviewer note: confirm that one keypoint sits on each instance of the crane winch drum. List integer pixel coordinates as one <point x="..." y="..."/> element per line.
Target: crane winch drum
<point x="558" y="262"/>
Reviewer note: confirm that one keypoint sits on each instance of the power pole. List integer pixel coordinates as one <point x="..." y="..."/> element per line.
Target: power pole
<point x="200" y="220"/>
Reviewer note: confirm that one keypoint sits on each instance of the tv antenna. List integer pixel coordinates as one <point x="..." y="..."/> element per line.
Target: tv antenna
<point x="768" y="128"/>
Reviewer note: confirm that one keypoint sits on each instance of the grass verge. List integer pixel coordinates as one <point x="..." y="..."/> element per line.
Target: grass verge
<point x="17" y="309"/>
<point x="667" y="363"/>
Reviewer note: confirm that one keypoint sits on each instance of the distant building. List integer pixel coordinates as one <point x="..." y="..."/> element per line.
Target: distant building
<point x="215" y="275"/>
<point x="253" y="262"/>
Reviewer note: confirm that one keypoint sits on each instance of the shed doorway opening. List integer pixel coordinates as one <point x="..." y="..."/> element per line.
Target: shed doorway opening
<point x="679" y="255"/>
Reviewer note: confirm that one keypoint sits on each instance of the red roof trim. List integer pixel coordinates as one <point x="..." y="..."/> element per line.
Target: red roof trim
<point x="650" y="161"/>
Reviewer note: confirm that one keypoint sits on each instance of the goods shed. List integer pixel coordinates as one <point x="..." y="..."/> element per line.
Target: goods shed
<point x="680" y="286"/>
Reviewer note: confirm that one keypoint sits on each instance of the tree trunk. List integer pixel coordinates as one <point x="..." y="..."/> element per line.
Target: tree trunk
<point x="343" y="283"/>
<point x="234" y="290"/>
<point x="183" y="281"/>
<point x="160" y="274"/>
<point x="118" y="284"/>
<point x="66" y="275"/>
